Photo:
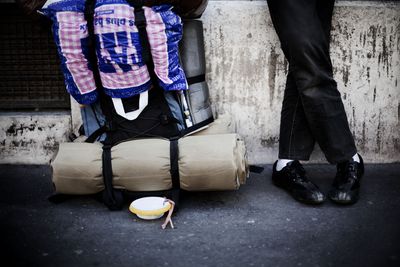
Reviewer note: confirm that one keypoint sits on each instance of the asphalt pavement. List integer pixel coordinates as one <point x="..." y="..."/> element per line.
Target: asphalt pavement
<point x="258" y="225"/>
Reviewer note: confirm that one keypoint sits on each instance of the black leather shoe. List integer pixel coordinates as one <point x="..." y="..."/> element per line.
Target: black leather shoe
<point x="293" y="179"/>
<point x="346" y="185"/>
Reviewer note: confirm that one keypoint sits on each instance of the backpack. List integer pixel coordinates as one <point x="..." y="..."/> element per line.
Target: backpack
<point x="156" y="120"/>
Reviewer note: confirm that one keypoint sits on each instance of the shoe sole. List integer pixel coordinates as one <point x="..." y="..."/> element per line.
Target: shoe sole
<point x="345" y="202"/>
<point x="304" y="201"/>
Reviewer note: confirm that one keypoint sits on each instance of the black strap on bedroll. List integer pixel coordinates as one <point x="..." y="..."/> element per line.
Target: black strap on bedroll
<point x="113" y="199"/>
<point x="174" y="166"/>
<point x="174" y="193"/>
<point x="140" y="23"/>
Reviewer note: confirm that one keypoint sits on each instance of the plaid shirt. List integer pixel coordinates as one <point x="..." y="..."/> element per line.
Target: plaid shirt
<point x="122" y="70"/>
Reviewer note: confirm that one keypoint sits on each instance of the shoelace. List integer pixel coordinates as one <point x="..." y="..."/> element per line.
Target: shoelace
<point x="351" y="167"/>
<point x="297" y="172"/>
<point x="347" y="175"/>
<point x="349" y="170"/>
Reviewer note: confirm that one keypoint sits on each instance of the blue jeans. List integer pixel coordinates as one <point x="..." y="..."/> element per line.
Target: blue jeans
<point x="93" y="119"/>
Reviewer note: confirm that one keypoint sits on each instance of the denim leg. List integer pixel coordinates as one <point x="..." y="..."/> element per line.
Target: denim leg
<point x="93" y="119"/>
<point x="175" y="108"/>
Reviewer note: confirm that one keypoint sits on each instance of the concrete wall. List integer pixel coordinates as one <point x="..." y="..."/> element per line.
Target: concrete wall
<point x="32" y="138"/>
<point x="246" y="73"/>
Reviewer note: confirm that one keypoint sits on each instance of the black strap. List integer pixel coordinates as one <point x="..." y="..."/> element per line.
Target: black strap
<point x="89" y="13"/>
<point x="112" y="198"/>
<point x="174" y="164"/>
<point x="107" y="166"/>
<point x="196" y="79"/>
<point x="96" y="134"/>
<point x="136" y="3"/>
<point x="174" y="193"/>
<point x="141" y="23"/>
<point x="256" y="169"/>
<point x="197" y="126"/>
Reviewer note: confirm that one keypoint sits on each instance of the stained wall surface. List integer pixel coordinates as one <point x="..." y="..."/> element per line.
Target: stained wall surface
<point x="247" y="73"/>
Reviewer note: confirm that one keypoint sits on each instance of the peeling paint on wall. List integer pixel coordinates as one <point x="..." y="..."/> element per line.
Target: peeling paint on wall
<point x="32" y="139"/>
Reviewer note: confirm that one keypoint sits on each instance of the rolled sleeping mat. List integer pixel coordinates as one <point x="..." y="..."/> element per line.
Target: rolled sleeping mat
<point x="212" y="162"/>
<point x="77" y="168"/>
<point x="206" y="163"/>
<point x="194" y="64"/>
<point x="221" y="125"/>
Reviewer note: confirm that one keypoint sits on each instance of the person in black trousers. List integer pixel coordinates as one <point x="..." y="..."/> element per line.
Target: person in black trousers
<point x="312" y="109"/>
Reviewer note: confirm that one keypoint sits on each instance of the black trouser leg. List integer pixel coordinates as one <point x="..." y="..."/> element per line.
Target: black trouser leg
<point x="317" y="111"/>
<point x="292" y="107"/>
<point x="294" y="124"/>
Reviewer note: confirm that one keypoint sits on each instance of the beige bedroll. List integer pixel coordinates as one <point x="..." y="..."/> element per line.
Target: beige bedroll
<point x="206" y="163"/>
